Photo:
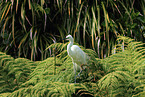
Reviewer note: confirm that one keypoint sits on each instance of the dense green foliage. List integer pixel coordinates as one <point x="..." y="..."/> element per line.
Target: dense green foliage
<point x="27" y="27"/>
<point x="32" y="30"/>
<point x="121" y="74"/>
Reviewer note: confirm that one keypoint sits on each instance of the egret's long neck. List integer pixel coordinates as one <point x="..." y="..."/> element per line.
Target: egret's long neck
<point x="69" y="46"/>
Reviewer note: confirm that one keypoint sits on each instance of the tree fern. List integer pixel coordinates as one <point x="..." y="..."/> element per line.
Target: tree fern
<point x="14" y="72"/>
<point x="124" y="69"/>
<point x="48" y="88"/>
<point x="39" y="79"/>
<point x="121" y="74"/>
<point x="5" y="81"/>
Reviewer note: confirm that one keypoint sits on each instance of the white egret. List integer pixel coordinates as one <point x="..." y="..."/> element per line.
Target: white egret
<point x="78" y="56"/>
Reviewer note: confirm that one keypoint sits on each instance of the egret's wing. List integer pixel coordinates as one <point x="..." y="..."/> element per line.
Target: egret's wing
<point x="79" y="55"/>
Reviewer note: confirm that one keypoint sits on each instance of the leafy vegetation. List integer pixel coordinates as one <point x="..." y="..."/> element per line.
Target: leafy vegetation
<point x="28" y="27"/>
<point x="33" y="56"/>
<point x="121" y="74"/>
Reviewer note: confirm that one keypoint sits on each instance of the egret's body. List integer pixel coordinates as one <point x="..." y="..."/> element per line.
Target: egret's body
<point x="77" y="55"/>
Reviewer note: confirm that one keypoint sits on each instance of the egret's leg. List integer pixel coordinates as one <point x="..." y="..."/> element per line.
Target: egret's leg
<point x="75" y="71"/>
<point x="80" y="70"/>
<point x="75" y="77"/>
<point x="80" y="73"/>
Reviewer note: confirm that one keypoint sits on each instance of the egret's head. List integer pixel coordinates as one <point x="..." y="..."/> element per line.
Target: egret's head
<point x="69" y="37"/>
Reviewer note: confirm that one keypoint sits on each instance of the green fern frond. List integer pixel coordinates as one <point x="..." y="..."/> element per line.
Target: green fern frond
<point x="124" y="69"/>
<point x="41" y="80"/>
<point x="14" y="72"/>
<point x="48" y="88"/>
<point x="4" y="94"/>
<point x="113" y="79"/>
<point x="120" y="74"/>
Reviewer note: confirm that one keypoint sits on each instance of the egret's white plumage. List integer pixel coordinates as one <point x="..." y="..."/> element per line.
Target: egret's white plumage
<point x="77" y="55"/>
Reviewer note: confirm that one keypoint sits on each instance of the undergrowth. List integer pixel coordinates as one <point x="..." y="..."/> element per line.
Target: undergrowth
<point x="121" y="74"/>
